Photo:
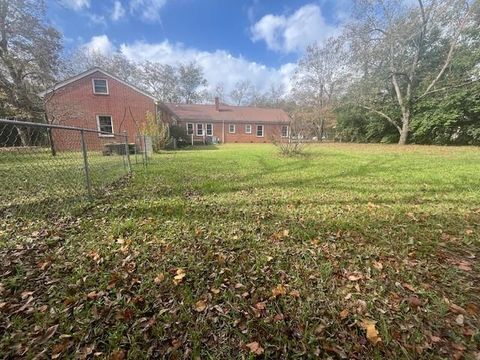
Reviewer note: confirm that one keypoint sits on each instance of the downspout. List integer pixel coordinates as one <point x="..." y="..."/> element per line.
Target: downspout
<point x="223" y="131"/>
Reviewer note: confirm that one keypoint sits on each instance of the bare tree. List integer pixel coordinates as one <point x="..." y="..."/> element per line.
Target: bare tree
<point x="318" y="81"/>
<point x="242" y="92"/>
<point x="191" y="83"/>
<point x="160" y="80"/>
<point x="392" y="44"/>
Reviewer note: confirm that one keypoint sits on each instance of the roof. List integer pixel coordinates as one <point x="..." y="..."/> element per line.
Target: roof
<point x="90" y="72"/>
<point x="228" y="113"/>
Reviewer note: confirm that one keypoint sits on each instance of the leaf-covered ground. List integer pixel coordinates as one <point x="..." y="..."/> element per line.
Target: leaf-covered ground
<point x="351" y="251"/>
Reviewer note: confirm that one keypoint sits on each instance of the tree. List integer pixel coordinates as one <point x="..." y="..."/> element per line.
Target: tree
<point x="117" y="64"/>
<point x="191" y="83"/>
<point x="242" y="92"/>
<point x="318" y="82"/>
<point x="160" y="80"/>
<point x="29" y="56"/>
<point x="403" y="53"/>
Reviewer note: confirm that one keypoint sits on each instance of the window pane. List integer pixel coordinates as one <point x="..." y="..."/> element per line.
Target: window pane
<point x="284" y="131"/>
<point x="209" y="129"/>
<point x="231" y="128"/>
<point x="105" y="124"/>
<point x="100" y="86"/>
<point x="199" y="129"/>
<point x="189" y="129"/>
<point x="248" y="129"/>
<point x="259" y="130"/>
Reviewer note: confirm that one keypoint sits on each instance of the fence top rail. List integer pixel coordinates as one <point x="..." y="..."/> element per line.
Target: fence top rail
<point x="53" y="126"/>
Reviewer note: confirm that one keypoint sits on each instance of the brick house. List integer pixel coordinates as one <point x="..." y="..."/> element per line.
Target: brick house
<point x="97" y="100"/>
<point x="227" y="124"/>
<point x="101" y="101"/>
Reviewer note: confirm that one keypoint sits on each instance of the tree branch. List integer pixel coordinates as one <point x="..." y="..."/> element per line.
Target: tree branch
<point x="382" y="114"/>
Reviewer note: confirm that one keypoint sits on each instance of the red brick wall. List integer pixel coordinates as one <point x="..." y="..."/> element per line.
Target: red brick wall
<point x="76" y="105"/>
<point x="269" y="131"/>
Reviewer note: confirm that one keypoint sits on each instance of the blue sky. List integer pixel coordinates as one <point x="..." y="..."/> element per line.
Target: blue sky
<point x="233" y="40"/>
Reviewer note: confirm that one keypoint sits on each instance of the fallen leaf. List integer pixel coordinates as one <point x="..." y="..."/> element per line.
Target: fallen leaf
<point x="409" y="287"/>
<point x="177" y="279"/>
<point x="457" y="309"/>
<point x="465" y="266"/>
<point x="414" y="301"/>
<point x="372" y="333"/>
<point x="279" y="290"/>
<point x="159" y="278"/>
<point x="355" y="277"/>
<point x="255" y="348"/>
<point x="377" y="265"/>
<point x="260" y="305"/>
<point x="459" y="319"/>
<point x="295" y="293"/>
<point x="344" y="314"/>
<point x="118" y="354"/>
<point x="200" y="306"/>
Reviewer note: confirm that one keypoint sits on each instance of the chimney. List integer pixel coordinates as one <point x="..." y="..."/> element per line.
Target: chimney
<point x="217" y="103"/>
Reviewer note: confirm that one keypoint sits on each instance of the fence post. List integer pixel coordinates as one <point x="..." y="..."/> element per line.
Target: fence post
<point x="145" y="149"/>
<point x="127" y="153"/>
<point x="85" y="164"/>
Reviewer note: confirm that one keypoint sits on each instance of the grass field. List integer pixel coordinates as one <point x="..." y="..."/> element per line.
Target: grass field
<point x="349" y="251"/>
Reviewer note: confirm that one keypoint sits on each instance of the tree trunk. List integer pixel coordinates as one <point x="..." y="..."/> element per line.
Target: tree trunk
<point x="52" y="144"/>
<point x="405" y="129"/>
<point x="23" y="135"/>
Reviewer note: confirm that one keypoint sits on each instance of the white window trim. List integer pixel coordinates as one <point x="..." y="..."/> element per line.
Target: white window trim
<point x="98" y="126"/>
<point x="288" y="131"/>
<point x="250" y="131"/>
<point x="234" y="128"/>
<point x="193" y="128"/>
<point x="106" y="83"/>
<point x="196" y="130"/>
<point x="206" y="129"/>
<point x="263" y="131"/>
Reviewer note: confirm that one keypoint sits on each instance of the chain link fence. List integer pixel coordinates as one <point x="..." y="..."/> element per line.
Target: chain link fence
<point x="53" y="168"/>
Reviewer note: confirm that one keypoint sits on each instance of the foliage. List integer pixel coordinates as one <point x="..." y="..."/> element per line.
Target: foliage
<point x="235" y="252"/>
<point x="29" y="55"/>
<point x="179" y="133"/>
<point x="157" y="130"/>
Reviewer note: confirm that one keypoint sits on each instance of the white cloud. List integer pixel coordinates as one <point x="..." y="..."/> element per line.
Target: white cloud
<point x="100" y="44"/>
<point x="293" y="33"/>
<point x="219" y="66"/>
<point x="148" y="10"/>
<point x="76" y="4"/>
<point x="118" y="11"/>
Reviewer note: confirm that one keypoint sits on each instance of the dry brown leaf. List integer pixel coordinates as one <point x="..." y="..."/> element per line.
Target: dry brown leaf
<point x="255" y="348"/>
<point x="177" y="279"/>
<point x="459" y="319"/>
<point x="159" y="278"/>
<point x="279" y="290"/>
<point x="414" y="301"/>
<point x="409" y="287"/>
<point x="261" y="305"/>
<point x="355" y="277"/>
<point x="377" y="265"/>
<point x="215" y="291"/>
<point x="295" y="293"/>
<point x="200" y="306"/>
<point x="118" y="354"/>
<point x="372" y="333"/>
<point x="344" y="313"/>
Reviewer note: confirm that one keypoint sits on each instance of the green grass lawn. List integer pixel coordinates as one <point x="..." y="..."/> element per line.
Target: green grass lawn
<point x="350" y="251"/>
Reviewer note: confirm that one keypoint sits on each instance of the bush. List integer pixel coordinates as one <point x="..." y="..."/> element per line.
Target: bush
<point x="179" y="134"/>
<point x="157" y="130"/>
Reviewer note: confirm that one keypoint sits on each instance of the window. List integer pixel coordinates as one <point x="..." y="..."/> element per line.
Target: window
<point x="209" y="128"/>
<point x="189" y="129"/>
<point x="260" y="130"/>
<point x="105" y="125"/>
<point x="285" y="131"/>
<point x="199" y="129"/>
<point x="231" y="128"/>
<point x="248" y="129"/>
<point x="100" y="86"/>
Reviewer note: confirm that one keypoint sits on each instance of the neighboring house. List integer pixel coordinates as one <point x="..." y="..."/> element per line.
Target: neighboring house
<point x="227" y="124"/>
<point x="96" y="100"/>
